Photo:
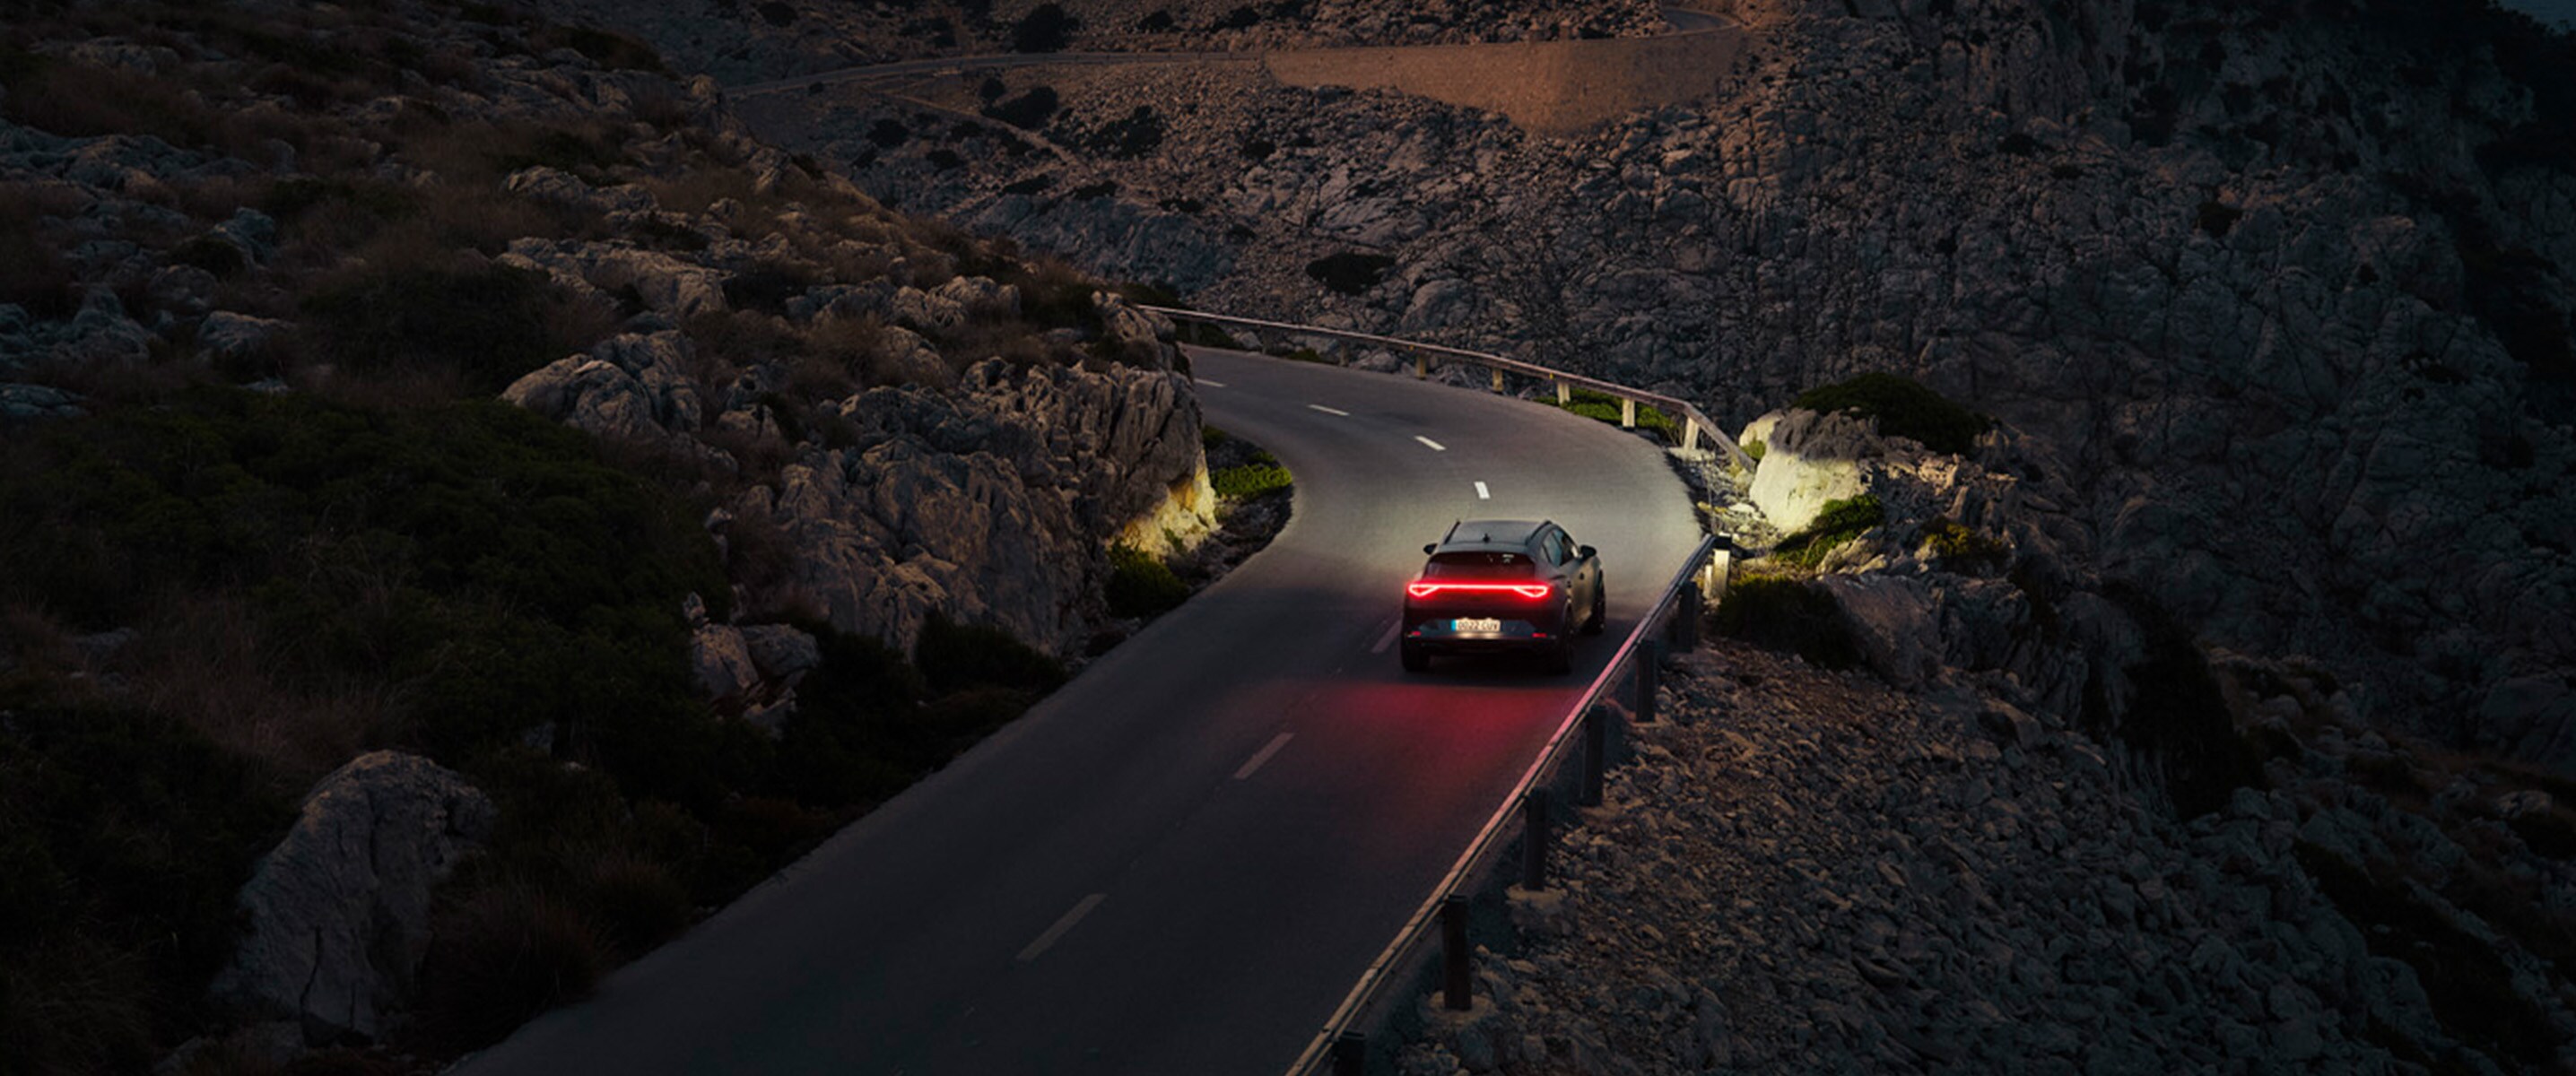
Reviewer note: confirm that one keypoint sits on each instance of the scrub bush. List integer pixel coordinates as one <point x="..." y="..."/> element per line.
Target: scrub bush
<point x="1140" y="584"/>
<point x="1841" y="521"/>
<point x="1903" y="408"/>
<point x="1782" y="613"/>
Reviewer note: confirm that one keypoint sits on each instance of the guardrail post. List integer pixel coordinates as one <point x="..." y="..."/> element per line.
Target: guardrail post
<point x="1421" y="366"/>
<point x="1596" y="754"/>
<point x="1534" y="840"/>
<point x="1498" y="380"/>
<point x="1455" y="977"/>
<point x="1684" y="629"/>
<point x="1564" y="393"/>
<point x="1690" y="434"/>
<point x="1350" y="1054"/>
<point x="1628" y="414"/>
<point x="1650" y="668"/>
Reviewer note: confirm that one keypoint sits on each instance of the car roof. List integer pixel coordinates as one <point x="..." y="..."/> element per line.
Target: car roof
<point x="1491" y="534"/>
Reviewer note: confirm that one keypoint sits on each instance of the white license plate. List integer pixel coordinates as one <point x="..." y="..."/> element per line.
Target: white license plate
<point x="1477" y="624"/>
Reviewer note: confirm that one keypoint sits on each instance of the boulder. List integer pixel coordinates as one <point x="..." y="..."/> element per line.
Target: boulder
<point x="1890" y="620"/>
<point x="26" y="403"/>
<point x="338" y="912"/>
<point x="722" y="662"/>
<point x="632" y="387"/>
<point x="1809" y="459"/>
<point x="227" y="335"/>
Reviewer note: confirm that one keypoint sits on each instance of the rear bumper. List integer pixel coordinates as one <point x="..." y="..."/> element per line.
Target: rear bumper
<point x="1438" y="633"/>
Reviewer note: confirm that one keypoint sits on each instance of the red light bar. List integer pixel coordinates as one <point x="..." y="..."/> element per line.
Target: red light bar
<point x="1423" y="588"/>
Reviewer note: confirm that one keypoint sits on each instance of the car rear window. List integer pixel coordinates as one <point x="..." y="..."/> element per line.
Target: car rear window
<point x="1476" y="564"/>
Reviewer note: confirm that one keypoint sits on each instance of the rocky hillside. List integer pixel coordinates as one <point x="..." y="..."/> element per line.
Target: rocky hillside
<point x="1948" y="798"/>
<point x="758" y="40"/>
<point x="441" y="432"/>
<point x="2284" y="284"/>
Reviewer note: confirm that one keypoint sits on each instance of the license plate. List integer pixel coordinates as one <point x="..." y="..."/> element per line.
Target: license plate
<point x="1477" y="624"/>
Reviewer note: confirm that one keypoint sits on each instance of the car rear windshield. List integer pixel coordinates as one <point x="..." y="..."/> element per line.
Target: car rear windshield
<point x="1480" y="564"/>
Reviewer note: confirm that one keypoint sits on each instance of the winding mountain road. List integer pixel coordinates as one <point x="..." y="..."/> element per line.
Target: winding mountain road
<point x="1182" y="860"/>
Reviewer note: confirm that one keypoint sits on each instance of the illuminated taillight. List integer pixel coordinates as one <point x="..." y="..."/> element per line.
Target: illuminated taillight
<point x="1424" y="589"/>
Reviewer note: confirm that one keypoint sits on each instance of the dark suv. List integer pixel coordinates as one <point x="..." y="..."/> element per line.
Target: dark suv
<point x="1506" y="585"/>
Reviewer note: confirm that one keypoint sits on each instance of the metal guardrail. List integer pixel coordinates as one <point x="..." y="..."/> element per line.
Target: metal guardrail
<point x="1681" y="600"/>
<point x="1695" y="423"/>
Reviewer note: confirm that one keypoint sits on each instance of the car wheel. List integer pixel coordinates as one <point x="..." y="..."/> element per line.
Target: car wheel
<point x="1414" y="659"/>
<point x="1600" y="601"/>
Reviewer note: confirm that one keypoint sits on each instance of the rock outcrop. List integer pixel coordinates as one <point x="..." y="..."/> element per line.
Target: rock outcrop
<point x="338" y="912"/>
<point x="991" y="504"/>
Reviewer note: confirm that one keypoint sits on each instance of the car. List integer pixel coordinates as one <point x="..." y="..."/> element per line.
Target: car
<point x="1503" y="586"/>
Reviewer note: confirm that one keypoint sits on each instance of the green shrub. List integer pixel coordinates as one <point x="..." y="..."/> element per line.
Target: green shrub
<point x="1350" y="272"/>
<point x="1781" y="613"/>
<point x="1960" y="547"/>
<point x="506" y="954"/>
<point x="1028" y="110"/>
<point x="1841" y="521"/>
<point x="123" y="838"/>
<point x="2176" y="711"/>
<point x="211" y="254"/>
<point x="1603" y="407"/>
<point x="1140" y="584"/>
<point x="1903" y="408"/>
<point x="2215" y="218"/>
<point x="490" y="325"/>
<point x="1250" y="480"/>
<point x="953" y="657"/>
<point x="1046" y="28"/>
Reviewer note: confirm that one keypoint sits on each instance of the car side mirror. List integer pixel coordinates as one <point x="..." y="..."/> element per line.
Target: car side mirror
<point x="1587" y="551"/>
<point x="1427" y="547"/>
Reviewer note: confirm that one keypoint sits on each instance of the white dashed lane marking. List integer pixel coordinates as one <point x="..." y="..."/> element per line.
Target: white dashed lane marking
<point x="1434" y="446"/>
<point x="1053" y="933"/>
<point x="1482" y="493"/>
<point x="1387" y="639"/>
<point x="1329" y="410"/>
<point x="1276" y="742"/>
<point x="1212" y="382"/>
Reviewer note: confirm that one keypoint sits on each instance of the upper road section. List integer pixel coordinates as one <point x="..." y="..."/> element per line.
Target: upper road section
<point x="1553" y="87"/>
<point x="1181" y="861"/>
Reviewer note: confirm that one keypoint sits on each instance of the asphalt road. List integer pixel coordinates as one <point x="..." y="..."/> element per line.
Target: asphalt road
<point x="1182" y="860"/>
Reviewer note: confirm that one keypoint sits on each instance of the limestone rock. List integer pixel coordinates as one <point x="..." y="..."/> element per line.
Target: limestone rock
<point x="339" y="911"/>
<point x="1810" y="460"/>
<point x="630" y="387"/>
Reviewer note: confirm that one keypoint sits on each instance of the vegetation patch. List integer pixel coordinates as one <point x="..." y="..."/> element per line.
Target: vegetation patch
<point x="2215" y="218"/>
<point x="1603" y="407"/>
<point x="123" y="837"/>
<point x="1903" y="408"/>
<point x="488" y="325"/>
<point x="2177" y="713"/>
<point x="1046" y="28"/>
<point x="1788" y="614"/>
<point x="1140" y="584"/>
<point x="1960" y="548"/>
<point x="1350" y="272"/>
<point x="1839" y="522"/>
<point x="1247" y="481"/>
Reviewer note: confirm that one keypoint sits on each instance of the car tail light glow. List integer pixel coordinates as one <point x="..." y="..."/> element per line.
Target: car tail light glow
<point x="1423" y="588"/>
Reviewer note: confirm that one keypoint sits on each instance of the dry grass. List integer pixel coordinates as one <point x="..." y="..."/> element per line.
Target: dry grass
<point x="205" y="660"/>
